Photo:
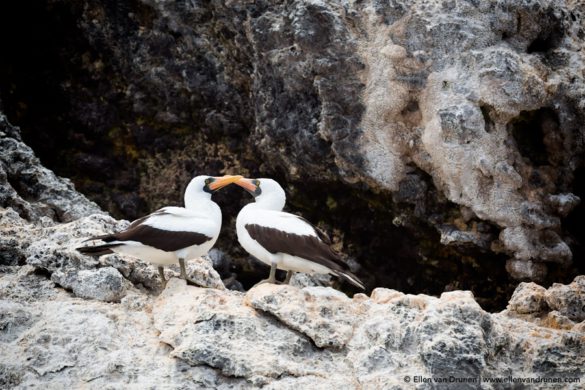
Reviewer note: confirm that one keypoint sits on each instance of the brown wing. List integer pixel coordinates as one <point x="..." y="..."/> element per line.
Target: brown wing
<point x="112" y="236"/>
<point x="307" y="247"/>
<point x="166" y="240"/>
<point x="320" y="233"/>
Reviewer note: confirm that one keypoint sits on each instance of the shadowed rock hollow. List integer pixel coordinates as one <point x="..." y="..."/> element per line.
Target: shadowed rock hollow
<point x="72" y="321"/>
<point x="440" y="142"/>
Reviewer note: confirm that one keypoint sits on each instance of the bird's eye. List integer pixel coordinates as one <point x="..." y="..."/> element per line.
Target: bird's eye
<point x="208" y="180"/>
<point x="257" y="183"/>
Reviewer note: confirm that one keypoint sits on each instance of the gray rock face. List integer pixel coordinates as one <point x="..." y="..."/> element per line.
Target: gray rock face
<point x="466" y="113"/>
<point x="51" y="339"/>
<point x="104" y="284"/>
<point x="528" y="298"/>
<point x="558" y="306"/>
<point x="568" y="300"/>
<point x="320" y="313"/>
<point x="277" y="337"/>
<point x="33" y="190"/>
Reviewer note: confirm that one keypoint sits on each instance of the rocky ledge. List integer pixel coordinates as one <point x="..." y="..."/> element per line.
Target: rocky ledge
<point x="447" y="132"/>
<point x="280" y="336"/>
<point x="70" y="321"/>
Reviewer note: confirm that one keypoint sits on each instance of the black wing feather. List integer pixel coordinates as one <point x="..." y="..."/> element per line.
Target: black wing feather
<point x="307" y="247"/>
<point x="320" y="233"/>
<point x="166" y="240"/>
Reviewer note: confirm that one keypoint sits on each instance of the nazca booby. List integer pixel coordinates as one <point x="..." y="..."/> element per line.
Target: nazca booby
<point x="171" y="234"/>
<point x="283" y="240"/>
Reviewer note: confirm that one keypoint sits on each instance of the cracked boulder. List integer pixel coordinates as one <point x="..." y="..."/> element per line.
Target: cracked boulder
<point x="323" y="314"/>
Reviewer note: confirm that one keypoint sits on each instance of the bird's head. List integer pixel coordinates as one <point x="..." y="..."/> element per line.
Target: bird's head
<point x="213" y="183"/>
<point x="265" y="191"/>
<point x="201" y="188"/>
<point x="210" y="184"/>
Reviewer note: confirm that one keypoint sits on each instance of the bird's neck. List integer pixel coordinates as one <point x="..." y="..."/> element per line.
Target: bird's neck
<point x="198" y="200"/>
<point x="268" y="202"/>
<point x="203" y="205"/>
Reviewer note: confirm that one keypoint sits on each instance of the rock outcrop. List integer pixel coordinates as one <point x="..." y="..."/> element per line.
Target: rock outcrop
<point x="458" y="123"/>
<point x="281" y="337"/>
<point x="33" y="190"/>
<point x="71" y="321"/>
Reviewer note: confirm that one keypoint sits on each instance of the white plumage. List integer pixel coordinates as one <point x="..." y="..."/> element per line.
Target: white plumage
<point x="174" y="219"/>
<point x="283" y="240"/>
<point x="171" y="234"/>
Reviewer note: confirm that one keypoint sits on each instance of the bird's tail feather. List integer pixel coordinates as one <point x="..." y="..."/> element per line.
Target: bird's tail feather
<point x="97" y="250"/>
<point x="351" y="278"/>
<point x="104" y="237"/>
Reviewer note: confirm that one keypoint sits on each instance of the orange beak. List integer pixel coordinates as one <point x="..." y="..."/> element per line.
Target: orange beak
<point x="247" y="184"/>
<point x="223" y="181"/>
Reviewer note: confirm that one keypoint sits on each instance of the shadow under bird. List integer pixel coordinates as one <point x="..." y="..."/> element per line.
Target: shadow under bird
<point x="171" y="234"/>
<point x="283" y="240"/>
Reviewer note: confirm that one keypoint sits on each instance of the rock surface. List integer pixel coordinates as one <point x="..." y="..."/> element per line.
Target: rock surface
<point x="452" y="127"/>
<point x="71" y="321"/>
<point x="33" y="190"/>
<point x="479" y="138"/>
<point x="275" y="337"/>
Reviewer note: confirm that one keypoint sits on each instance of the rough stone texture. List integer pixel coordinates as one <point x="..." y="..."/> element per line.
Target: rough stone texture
<point x="33" y="190"/>
<point x="388" y="336"/>
<point x="319" y="313"/>
<point x="51" y="247"/>
<point x="50" y="339"/>
<point x="568" y="300"/>
<point x="200" y="270"/>
<point x="104" y="284"/>
<point x="258" y="347"/>
<point x="528" y="298"/>
<point x="276" y="336"/>
<point x="456" y="123"/>
<point x="560" y="306"/>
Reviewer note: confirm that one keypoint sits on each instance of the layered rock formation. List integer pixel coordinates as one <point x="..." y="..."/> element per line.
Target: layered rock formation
<point x="283" y="337"/>
<point x="70" y="321"/>
<point x="449" y="132"/>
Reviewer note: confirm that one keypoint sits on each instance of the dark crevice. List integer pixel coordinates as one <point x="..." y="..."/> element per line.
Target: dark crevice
<point x="529" y="130"/>
<point x="550" y="36"/>
<point x="546" y="42"/>
<point x="541" y="45"/>
<point x="12" y="256"/>
<point x="573" y="225"/>
<point x="42" y="272"/>
<point x="18" y="187"/>
<point x="486" y="111"/>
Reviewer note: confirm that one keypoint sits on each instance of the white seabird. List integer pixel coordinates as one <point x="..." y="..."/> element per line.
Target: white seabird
<point x="171" y="234"/>
<point x="282" y="240"/>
